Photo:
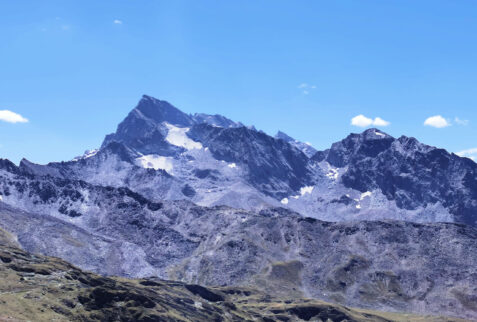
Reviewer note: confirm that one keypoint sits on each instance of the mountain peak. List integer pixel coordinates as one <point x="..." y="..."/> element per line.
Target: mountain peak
<point x="160" y="111"/>
<point x="143" y="124"/>
<point x="366" y="144"/>
<point x="283" y="136"/>
<point x="374" y="134"/>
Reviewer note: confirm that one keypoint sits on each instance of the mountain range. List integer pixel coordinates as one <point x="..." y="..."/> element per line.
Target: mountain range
<point x="374" y="221"/>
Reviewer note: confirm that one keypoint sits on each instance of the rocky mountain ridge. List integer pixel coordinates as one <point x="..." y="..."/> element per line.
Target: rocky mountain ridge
<point x="165" y="154"/>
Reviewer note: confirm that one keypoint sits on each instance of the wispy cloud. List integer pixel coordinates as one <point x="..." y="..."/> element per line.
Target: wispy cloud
<point x="11" y="117"/>
<point x="306" y="88"/>
<point x="469" y="153"/>
<point x="363" y="121"/>
<point x="460" y="121"/>
<point x="118" y="22"/>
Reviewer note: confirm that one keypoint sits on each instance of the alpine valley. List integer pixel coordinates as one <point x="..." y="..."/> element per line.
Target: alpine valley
<point x="374" y="222"/>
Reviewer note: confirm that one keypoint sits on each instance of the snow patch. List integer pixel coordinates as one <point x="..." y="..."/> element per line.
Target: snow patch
<point x="232" y="165"/>
<point x="87" y="154"/>
<point x="361" y="197"/>
<point x="177" y="136"/>
<point x="305" y="190"/>
<point x="156" y="162"/>
<point x="379" y="133"/>
<point x="365" y="194"/>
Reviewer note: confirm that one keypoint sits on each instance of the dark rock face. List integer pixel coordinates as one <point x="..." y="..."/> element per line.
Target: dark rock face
<point x="408" y="172"/>
<point x="355" y="146"/>
<point x="140" y="129"/>
<point x="205" y="293"/>
<point x="274" y="166"/>
<point x="306" y="313"/>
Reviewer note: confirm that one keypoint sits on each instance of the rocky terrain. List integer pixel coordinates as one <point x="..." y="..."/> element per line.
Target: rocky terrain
<point x="201" y="199"/>
<point x="165" y="154"/>
<point x="38" y="288"/>
<point x="388" y="265"/>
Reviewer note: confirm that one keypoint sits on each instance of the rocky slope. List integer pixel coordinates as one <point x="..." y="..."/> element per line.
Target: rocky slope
<point x="48" y="289"/>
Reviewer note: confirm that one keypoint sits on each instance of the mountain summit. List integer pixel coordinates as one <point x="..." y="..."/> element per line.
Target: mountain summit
<point x="163" y="153"/>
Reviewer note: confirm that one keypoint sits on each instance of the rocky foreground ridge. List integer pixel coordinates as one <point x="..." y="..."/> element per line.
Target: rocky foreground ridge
<point x="38" y="288"/>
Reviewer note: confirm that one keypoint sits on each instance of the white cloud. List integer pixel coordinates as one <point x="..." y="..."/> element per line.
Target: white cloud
<point x="11" y="117"/>
<point x="363" y="121"/>
<point x="437" y="121"/>
<point x="118" y="22"/>
<point x="460" y="121"/>
<point x="306" y="88"/>
<point x="469" y="153"/>
<point x="380" y="122"/>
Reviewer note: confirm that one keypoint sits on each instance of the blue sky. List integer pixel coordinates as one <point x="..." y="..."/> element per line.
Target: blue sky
<point x="74" y="69"/>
